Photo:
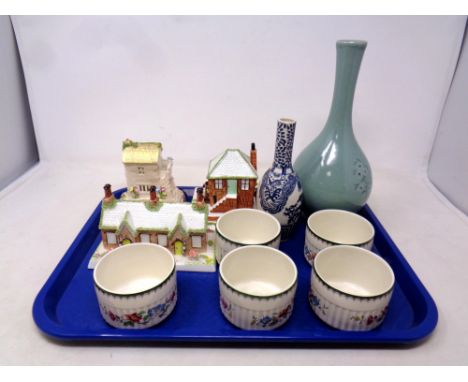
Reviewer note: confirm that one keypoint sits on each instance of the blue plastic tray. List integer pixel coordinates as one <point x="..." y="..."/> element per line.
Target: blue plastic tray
<point x="66" y="307"/>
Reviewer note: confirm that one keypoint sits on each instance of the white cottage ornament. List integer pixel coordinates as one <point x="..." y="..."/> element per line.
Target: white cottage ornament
<point x="145" y="167"/>
<point x="182" y="228"/>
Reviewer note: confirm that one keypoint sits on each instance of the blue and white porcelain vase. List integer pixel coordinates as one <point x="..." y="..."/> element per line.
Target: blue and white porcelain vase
<point x="280" y="193"/>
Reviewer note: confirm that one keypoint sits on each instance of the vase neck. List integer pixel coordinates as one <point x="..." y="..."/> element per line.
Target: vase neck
<point x="284" y="143"/>
<point x="348" y="61"/>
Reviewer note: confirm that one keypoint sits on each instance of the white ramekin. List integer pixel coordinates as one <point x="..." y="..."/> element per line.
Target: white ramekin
<point x="350" y="288"/>
<point x="257" y="287"/>
<point x="136" y="285"/>
<point x="246" y="226"/>
<point x="326" y="228"/>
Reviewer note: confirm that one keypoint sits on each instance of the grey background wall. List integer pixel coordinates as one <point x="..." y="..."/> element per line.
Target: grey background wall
<point x="204" y="83"/>
<point x="93" y="81"/>
<point x="448" y="166"/>
<point x="18" y="150"/>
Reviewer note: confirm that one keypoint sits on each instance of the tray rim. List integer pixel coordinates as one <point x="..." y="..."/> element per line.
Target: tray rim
<point x="413" y="336"/>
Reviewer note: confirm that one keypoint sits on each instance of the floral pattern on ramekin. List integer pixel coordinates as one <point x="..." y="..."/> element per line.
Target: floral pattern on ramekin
<point x="316" y="303"/>
<point x="140" y="310"/>
<point x="226" y="307"/>
<point x="254" y="320"/>
<point x="273" y="311"/>
<point x="370" y="319"/>
<point x="346" y="312"/>
<point x="143" y="317"/>
<point x="314" y="244"/>
<point x="276" y="319"/>
<point x="309" y="254"/>
<point x="223" y="246"/>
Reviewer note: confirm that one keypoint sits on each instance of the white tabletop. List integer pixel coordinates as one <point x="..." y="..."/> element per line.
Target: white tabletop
<point x="42" y="212"/>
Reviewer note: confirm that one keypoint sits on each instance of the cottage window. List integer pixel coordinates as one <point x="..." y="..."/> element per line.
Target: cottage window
<point x="141" y="170"/>
<point x="162" y="240"/>
<point x="244" y="184"/>
<point x="145" y="238"/>
<point x="196" y="241"/>
<point x="218" y="184"/>
<point x="111" y="238"/>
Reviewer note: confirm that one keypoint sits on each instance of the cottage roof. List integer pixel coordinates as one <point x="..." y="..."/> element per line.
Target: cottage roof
<point x="139" y="216"/>
<point x="141" y="152"/>
<point x="232" y="163"/>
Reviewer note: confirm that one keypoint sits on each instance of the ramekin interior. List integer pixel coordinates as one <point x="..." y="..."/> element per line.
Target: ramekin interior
<point x="341" y="227"/>
<point x="134" y="268"/>
<point x="259" y="271"/>
<point x="248" y="226"/>
<point x="354" y="271"/>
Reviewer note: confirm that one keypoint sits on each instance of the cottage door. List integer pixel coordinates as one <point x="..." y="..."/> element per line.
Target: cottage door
<point x="232" y="186"/>
<point x="178" y="247"/>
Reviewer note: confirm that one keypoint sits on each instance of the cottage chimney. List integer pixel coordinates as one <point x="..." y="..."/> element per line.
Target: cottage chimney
<point x="253" y="155"/>
<point x="153" y="196"/>
<point x="200" y="194"/>
<point x="200" y="197"/>
<point x="207" y="195"/>
<point x="108" y="195"/>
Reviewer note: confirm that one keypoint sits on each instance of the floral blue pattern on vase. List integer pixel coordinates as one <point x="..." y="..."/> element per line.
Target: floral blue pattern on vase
<point x="280" y="192"/>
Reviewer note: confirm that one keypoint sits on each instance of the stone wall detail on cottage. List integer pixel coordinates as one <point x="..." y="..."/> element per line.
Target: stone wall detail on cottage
<point x="145" y="167"/>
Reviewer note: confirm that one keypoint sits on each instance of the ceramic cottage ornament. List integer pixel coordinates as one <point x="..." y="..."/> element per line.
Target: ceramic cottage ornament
<point x="182" y="228"/>
<point x="144" y="167"/>
<point x="232" y="181"/>
<point x="280" y="192"/>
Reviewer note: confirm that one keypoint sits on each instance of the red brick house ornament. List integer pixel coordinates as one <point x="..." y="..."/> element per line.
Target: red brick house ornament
<point x="232" y="181"/>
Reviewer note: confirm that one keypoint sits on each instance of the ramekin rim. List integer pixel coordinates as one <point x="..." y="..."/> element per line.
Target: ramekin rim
<point x="157" y="286"/>
<point x="346" y="212"/>
<point x="267" y="297"/>
<point x="278" y="226"/>
<point x="371" y="297"/>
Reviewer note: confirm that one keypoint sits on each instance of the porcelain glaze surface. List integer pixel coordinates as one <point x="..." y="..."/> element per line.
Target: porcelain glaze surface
<point x="136" y="285"/>
<point x="330" y="227"/>
<point x="246" y="226"/>
<point x="257" y="287"/>
<point x="280" y="192"/>
<point x="333" y="169"/>
<point x="350" y="288"/>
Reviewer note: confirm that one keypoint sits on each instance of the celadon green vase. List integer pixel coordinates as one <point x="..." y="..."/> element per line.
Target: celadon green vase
<point x="333" y="170"/>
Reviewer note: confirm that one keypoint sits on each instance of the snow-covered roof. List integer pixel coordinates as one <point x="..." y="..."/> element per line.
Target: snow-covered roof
<point x="232" y="163"/>
<point x="140" y="152"/>
<point x="165" y="217"/>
